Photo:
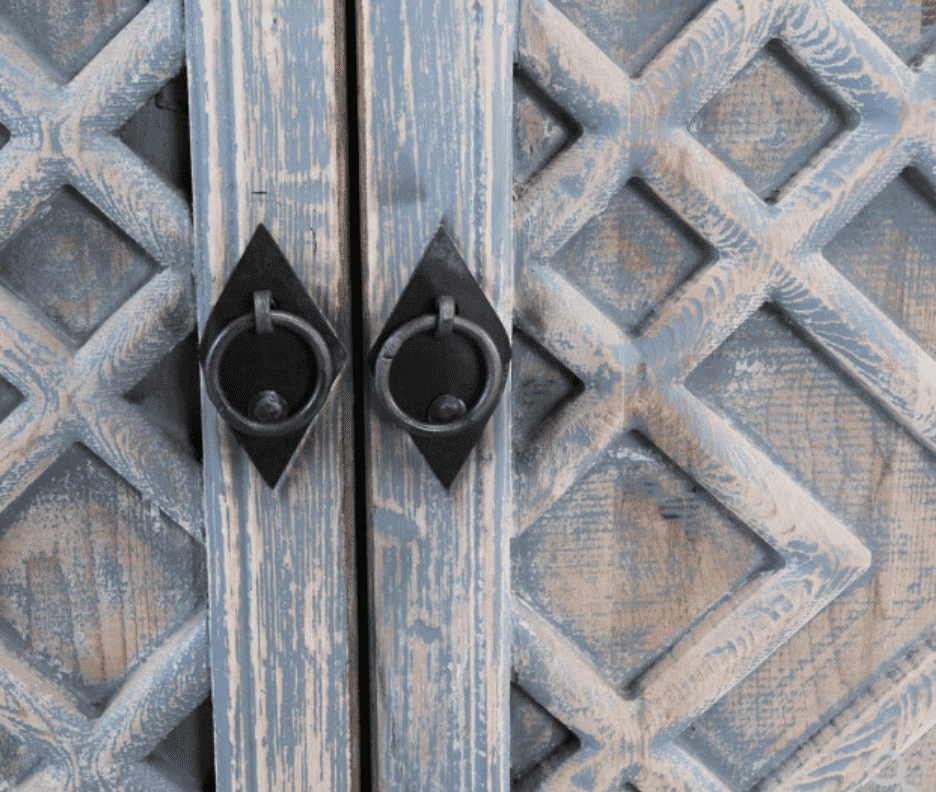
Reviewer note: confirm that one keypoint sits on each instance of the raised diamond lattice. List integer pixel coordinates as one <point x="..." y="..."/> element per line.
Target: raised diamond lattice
<point x="785" y="394"/>
<point x="74" y="264"/>
<point x="907" y="26"/>
<point x="630" y="257"/>
<point x="631" y="33"/>
<point x="650" y="540"/>
<point x="92" y="576"/>
<point x="639" y="128"/>
<point x="68" y="47"/>
<point x="140" y="488"/>
<point x="888" y="250"/>
<point x="767" y="142"/>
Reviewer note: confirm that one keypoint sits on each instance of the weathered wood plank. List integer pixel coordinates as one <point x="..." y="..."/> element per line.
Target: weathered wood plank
<point x="267" y="118"/>
<point x="436" y="97"/>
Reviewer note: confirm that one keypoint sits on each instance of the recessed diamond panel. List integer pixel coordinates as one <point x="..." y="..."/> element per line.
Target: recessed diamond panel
<point x="788" y="398"/>
<point x="907" y="26"/>
<point x="615" y="560"/>
<point x="10" y="397"/>
<point x="171" y="395"/>
<point x="538" y="742"/>
<point x="4" y="136"/>
<point x="769" y="121"/>
<point x="888" y="250"/>
<point x="93" y="576"/>
<point x="630" y="257"/>
<point x="541" y="387"/>
<point x="68" y="35"/>
<point x="74" y="264"/>
<point x="631" y="32"/>
<point x="541" y="130"/>
<point x="186" y="755"/>
<point x="159" y="132"/>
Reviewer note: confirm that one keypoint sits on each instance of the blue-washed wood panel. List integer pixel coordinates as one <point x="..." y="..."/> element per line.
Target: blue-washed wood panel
<point x="266" y="83"/>
<point x="436" y="135"/>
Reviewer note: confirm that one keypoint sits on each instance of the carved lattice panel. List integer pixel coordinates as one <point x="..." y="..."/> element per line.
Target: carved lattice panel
<point x="721" y="567"/>
<point x="103" y="594"/>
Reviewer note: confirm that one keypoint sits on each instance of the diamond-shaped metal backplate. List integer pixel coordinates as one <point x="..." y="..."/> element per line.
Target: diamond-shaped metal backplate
<point x="442" y="271"/>
<point x="264" y="267"/>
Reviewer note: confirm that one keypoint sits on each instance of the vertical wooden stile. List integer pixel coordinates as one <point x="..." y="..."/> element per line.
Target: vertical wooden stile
<point x="435" y="109"/>
<point x="267" y="107"/>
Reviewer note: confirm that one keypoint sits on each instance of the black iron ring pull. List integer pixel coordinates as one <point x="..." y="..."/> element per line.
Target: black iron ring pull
<point x="269" y="412"/>
<point x="444" y="322"/>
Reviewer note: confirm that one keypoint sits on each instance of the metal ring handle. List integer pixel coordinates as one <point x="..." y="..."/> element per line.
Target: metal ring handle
<point x="235" y="418"/>
<point x="493" y="384"/>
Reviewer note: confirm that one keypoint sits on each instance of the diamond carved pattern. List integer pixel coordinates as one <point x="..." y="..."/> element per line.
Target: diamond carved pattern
<point x="631" y="256"/>
<point x="888" y="251"/>
<point x="615" y="560"/>
<point x="92" y="577"/>
<point x="779" y="389"/>
<point x="907" y="26"/>
<point x="766" y="143"/>
<point x="639" y="127"/>
<point x="74" y="264"/>
<point x="67" y="47"/>
<point x="88" y="730"/>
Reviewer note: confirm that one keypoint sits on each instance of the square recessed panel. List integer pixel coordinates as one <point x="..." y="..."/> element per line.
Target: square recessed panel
<point x="68" y="34"/>
<point x="907" y="26"/>
<point x="93" y="577"/>
<point x="159" y="133"/>
<point x="542" y="386"/>
<point x="631" y="32"/>
<point x="790" y="399"/>
<point x="660" y="553"/>
<point x="633" y="255"/>
<point x="538" y="742"/>
<point x="769" y="121"/>
<point x="74" y="264"/>
<point x="541" y="129"/>
<point x="888" y="250"/>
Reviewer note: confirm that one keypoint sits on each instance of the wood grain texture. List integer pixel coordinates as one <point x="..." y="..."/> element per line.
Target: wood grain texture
<point x="268" y="128"/>
<point x="104" y="631"/>
<point x="694" y="127"/>
<point x="435" y="83"/>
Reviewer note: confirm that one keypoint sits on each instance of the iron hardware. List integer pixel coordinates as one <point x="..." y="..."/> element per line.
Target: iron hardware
<point x="267" y="412"/>
<point x="440" y="363"/>
<point x="269" y="356"/>
<point x="445" y="408"/>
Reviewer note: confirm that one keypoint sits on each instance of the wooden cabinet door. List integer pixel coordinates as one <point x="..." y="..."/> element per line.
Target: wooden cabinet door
<point x="120" y="515"/>
<point x="707" y="563"/>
